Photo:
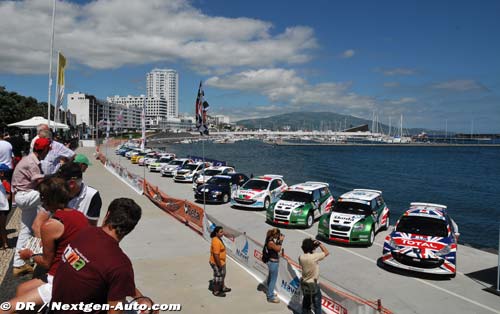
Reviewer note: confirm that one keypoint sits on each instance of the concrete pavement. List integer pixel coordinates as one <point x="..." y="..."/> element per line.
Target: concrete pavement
<point x="171" y="261"/>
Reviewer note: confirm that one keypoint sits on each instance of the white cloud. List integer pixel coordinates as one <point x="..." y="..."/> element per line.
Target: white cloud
<point x="284" y="86"/>
<point x="348" y="54"/>
<point x="402" y="101"/>
<point x="396" y="71"/>
<point x="459" y="85"/>
<point x="108" y="34"/>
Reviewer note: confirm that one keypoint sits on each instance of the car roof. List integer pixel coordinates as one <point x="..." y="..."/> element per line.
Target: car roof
<point x="268" y="177"/>
<point x="360" y="195"/>
<point x="429" y="210"/>
<point x="219" y="167"/>
<point x="308" y="186"/>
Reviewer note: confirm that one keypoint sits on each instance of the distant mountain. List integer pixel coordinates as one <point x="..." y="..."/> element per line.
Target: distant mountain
<point x="307" y="121"/>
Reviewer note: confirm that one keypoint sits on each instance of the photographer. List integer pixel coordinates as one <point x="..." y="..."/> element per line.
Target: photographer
<point x="274" y="241"/>
<point x="310" y="274"/>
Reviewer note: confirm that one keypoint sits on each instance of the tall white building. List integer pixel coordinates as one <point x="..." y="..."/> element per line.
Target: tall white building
<point x="156" y="107"/>
<point x="164" y="83"/>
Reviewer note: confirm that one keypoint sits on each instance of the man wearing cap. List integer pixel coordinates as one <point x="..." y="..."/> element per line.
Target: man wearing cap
<point x="26" y="177"/>
<point x="85" y="199"/>
<point x="58" y="153"/>
<point x="82" y="161"/>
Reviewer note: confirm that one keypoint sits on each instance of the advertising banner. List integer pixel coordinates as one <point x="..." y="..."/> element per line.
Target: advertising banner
<point x="132" y="180"/>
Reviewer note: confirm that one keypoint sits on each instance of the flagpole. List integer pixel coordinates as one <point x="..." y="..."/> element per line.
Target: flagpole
<point x="56" y="95"/>
<point x="50" y="59"/>
<point x="143" y="126"/>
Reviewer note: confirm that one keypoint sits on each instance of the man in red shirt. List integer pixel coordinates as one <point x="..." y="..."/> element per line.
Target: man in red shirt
<point x="94" y="268"/>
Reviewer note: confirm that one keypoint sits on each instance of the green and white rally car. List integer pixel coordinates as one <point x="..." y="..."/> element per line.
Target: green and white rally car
<point x="355" y="218"/>
<point x="301" y="204"/>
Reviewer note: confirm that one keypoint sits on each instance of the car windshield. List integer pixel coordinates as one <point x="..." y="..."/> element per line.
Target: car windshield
<point x="423" y="226"/>
<point x="190" y="167"/>
<point x="164" y="160"/>
<point x="353" y="208"/>
<point x="176" y="162"/>
<point x="212" y="172"/>
<point x="256" y="185"/>
<point x="295" y="196"/>
<point x="218" y="181"/>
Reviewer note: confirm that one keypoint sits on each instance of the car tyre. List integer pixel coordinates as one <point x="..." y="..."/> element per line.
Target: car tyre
<point x="267" y="203"/>
<point x="387" y="223"/>
<point x="310" y="220"/>
<point x="372" y="237"/>
<point x="225" y="198"/>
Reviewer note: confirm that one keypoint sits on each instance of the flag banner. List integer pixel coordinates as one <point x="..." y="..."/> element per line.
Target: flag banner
<point x="60" y="84"/>
<point x="143" y="125"/>
<point x="214" y="162"/>
<point x="108" y="125"/>
<point x="119" y="120"/>
<point x="201" y="112"/>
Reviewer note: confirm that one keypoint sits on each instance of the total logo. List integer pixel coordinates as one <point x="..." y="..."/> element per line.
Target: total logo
<point x="421" y="244"/>
<point x="243" y="253"/>
<point x="292" y="286"/>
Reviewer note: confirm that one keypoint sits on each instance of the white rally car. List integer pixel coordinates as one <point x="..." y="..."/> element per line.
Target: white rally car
<point x="169" y="169"/>
<point x="260" y="192"/>
<point x="209" y="172"/>
<point x="188" y="171"/>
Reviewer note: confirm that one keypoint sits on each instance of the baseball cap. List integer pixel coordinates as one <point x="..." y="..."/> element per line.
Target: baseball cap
<point x="70" y="171"/>
<point x="82" y="159"/>
<point x="41" y="144"/>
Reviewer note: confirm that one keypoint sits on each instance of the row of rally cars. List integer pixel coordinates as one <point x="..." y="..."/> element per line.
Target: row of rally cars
<point x="424" y="239"/>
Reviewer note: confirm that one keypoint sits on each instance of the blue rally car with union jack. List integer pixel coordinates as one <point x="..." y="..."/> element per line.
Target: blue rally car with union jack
<point x="424" y="239"/>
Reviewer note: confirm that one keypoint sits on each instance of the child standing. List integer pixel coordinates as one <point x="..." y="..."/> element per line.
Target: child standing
<point x="5" y="205"/>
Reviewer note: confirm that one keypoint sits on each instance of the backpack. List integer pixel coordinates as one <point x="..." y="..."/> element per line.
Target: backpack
<point x="265" y="253"/>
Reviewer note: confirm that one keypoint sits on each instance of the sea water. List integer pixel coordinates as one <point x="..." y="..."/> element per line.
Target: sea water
<point x="466" y="179"/>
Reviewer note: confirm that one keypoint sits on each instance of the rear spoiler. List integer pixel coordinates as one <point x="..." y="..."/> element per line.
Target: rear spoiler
<point x="317" y="182"/>
<point x="429" y="205"/>
<point x="368" y="190"/>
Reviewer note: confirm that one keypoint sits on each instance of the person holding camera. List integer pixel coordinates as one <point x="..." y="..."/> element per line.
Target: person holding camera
<point x="274" y="242"/>
<point x="310" y="274"/>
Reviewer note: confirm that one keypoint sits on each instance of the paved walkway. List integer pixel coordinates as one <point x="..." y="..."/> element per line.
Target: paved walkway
<point x="171" y="261"/>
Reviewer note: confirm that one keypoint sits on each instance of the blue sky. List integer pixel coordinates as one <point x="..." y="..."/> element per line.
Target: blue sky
<point x="435" y="62"/>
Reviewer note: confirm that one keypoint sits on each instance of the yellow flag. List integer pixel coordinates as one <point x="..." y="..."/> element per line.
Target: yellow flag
<point x="62" y="66"/>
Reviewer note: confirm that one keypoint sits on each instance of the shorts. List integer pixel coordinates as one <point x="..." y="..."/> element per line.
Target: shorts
<point x="219" y="273"/>
<point x="45" y="290"/>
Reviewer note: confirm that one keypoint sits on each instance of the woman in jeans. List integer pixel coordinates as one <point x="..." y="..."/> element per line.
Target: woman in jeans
<point x="274" y="241"/>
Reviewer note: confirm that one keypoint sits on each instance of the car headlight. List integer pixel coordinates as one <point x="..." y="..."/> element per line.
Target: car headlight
<point x="359" y="227"/>
<point x="326" y="221"/>
<point x="444" y="251"/>
<point x="217" y="193"/>
<point x="392" y="243"/>
<point x="298" y="210"/>
<point x="259" y="195"/>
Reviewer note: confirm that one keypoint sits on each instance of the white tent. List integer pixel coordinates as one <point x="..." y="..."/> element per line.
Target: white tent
<point x="35" y="121"/>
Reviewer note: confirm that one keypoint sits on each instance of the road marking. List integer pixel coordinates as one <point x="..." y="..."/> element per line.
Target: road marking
<point x="417" y="279"/>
